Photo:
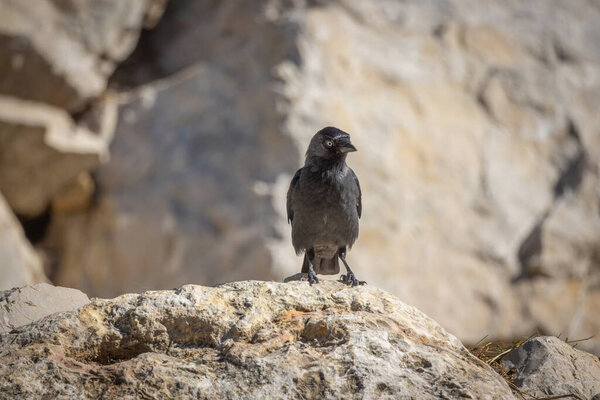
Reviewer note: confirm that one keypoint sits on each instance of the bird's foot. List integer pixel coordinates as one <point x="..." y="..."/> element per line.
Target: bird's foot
<point x="312" y="277"/>
<point x="351" y="280"/>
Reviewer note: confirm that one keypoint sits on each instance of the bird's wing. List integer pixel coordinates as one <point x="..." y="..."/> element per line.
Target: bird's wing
<point x="359" y="199"/>
<point x="290" y="194"/>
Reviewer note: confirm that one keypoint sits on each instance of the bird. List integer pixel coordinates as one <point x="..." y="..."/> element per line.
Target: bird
<point x="324" y="204"/>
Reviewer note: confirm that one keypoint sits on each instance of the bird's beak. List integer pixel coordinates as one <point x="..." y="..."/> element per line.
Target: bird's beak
<point x="346" y="147"/>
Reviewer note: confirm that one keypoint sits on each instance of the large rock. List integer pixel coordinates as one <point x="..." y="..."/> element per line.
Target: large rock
<point x="19" y="264"/>
<point x="477" y="129"/>
<point x="24" y="305"/>
<point x="249" y="340"/>
<point x="546" y="366"/>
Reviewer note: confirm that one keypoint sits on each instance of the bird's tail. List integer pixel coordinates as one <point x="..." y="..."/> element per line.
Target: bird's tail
<point x="323" y="266"/>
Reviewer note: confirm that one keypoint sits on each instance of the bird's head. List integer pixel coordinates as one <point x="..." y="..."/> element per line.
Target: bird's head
<point x="330" y="143"/>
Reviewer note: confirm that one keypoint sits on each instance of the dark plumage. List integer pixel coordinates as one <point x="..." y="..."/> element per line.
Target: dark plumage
<point x="324" y="205"/>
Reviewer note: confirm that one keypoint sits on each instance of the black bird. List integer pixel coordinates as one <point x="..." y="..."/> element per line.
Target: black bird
<point x="324" y="205"/>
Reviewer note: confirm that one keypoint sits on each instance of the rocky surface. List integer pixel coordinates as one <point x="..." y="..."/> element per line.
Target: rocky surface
<point x="23" y="305"/>
<point x="244" y="340"/>
<point x="19" y="263"/>
<point x="547" y="366"/>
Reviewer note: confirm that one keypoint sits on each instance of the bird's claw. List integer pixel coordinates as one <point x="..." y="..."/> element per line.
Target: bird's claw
<point x="351" y="280"/>
<point x="312" y="278"/>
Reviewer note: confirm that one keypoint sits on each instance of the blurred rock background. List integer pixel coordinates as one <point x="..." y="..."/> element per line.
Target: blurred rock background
<point x="146" y="144"/>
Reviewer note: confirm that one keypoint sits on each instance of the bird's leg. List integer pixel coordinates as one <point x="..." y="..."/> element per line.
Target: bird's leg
<point x="349" y="278"/>
<point x="312" y="276"/>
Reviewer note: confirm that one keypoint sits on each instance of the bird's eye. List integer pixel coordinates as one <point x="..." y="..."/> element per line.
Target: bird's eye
<point x="328" y="143"/>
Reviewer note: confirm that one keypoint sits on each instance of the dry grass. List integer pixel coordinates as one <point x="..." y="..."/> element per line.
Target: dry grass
<point x="492" y="352"/>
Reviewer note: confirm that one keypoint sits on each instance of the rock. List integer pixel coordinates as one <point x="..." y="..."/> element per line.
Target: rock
<point x="477" y="129"/>
<point x="19" y="264"/>
<point x="24" y="305"/>
<point x="61" y="52"/>
<point x="244" y="340"/>
<point x="44" y="151"/>
<point x="547" y="366"/>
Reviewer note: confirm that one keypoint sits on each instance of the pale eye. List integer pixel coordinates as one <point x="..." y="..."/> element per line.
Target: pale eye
<point x="328" y="143"/>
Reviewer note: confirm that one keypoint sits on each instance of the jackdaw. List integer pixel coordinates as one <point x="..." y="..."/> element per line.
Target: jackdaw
<point x="324" y="205"/>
